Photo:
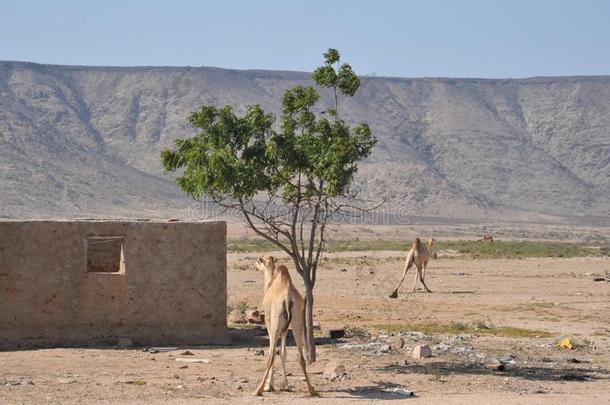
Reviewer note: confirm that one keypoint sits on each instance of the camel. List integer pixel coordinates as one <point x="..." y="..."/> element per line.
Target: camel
<point x="488" y="238"/>
<point x="284" y="307"/>
<point x="419" y="256"/>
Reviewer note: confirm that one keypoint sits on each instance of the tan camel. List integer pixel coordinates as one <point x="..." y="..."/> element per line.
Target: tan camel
<point x="284" y="307"/>
<point x="419" y="256"/>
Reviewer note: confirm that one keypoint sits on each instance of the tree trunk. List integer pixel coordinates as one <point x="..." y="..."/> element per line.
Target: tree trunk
<point x="311" y="357"/>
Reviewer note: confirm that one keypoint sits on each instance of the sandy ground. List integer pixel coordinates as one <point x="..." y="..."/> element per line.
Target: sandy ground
<point x="557" y="296"/>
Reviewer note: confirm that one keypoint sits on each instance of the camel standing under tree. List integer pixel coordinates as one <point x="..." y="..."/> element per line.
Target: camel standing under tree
<point x="418" y="256"/>
<point x="284" y="307"/>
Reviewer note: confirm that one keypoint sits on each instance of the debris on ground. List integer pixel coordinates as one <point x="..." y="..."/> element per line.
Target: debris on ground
<point x="187" y="353"/>
<point x="565" y="343"/>
<point x="68" y="380"/>
<point x="259" y="352"/>
<point x="421" y="351"/>
<point x="335" y="371"/>
<point x="496" y="366"/>
<point x="372" y="347"/>
<point x="236" y="316"/>
<point x="255" y="316"/>
<point x="403" y="392"/>
<point x="414" y="335"/>
<point x="154" y="350"/>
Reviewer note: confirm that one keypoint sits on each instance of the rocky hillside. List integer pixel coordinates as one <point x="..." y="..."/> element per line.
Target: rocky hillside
<point x="85" y="141"/>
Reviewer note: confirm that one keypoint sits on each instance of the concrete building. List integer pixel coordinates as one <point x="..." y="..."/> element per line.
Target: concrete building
<point x="93" y="282"/>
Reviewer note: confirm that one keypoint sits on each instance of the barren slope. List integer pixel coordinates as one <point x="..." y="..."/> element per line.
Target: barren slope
<point x="85" y="141"/>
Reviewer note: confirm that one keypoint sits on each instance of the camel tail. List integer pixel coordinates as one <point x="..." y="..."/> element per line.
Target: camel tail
<point x="288" y="309"/>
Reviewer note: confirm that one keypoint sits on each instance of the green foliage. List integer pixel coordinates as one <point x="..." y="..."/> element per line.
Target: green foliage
<point x="308" y="157"/>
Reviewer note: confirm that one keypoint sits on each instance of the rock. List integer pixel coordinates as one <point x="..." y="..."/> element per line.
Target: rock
<point x="385" y="349"/>
<point x="187" y="353"/>
<point x="421" y="351"/>
<point x="254" y="316"/>
<point x="259" y="352"/>
<point x="183" y="367"/>
<point x="334" y="370"/>
<point x="336" y="333"/>
<point x="236" y="317"/>
<point x="403" y="392"/>
<point x="496" y="367"/>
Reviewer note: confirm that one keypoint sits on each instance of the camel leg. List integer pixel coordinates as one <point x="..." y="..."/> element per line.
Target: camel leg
<point x="417" y="276"/>
<point x="283" y="358"/>
<point x="422" y="280"/>
<point x="272" y="344"/>
<point x="407" y="267"/>
<point x="298" y="330"/>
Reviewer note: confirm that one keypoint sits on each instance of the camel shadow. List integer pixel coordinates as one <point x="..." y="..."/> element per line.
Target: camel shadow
<point x="377" y="390"/>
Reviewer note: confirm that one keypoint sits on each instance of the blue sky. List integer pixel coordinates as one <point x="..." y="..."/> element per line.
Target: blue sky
<point x="459" y="38"/>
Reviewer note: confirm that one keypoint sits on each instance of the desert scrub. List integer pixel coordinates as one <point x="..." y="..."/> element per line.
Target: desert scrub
<point x="241" y="306"/>
<point x="468" y="248"/>
<point x="356" y="331"/>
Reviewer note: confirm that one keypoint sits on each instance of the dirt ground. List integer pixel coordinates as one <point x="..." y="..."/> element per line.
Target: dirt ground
<point x="549" y="299"/>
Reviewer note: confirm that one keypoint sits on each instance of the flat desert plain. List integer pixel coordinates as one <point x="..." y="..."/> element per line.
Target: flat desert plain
<point x="493" y="326"/>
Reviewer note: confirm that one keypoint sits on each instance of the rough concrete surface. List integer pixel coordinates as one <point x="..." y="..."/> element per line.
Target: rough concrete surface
<point x="166" y="283"/>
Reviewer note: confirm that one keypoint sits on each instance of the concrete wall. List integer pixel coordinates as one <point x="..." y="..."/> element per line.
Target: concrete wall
<point x="169" y="288"/>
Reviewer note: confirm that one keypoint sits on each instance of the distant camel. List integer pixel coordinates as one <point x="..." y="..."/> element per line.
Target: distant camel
<point x="488" y="238"/>
<point x="283" y="307"/>
<point x="419" y="256"/>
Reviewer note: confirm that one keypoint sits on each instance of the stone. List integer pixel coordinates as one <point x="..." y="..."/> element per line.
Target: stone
<point x="236" y="317"/>
<point x="334" y="370"/>
<point x="254" y="316"/>
<point x="385" y="349"/>
<point x="317" y="326"/>
<point x="187" y="353"/>
<point x="67" y="380"/>
<point x="183" y="367"/>
<point x="403" y="392"/>
<point x="421" y="351"/>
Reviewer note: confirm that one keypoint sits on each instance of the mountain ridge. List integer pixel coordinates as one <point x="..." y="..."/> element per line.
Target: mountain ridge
<point x="80" y="140"/>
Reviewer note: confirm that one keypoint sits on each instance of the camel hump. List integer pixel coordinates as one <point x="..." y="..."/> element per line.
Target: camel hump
<point x="283" y="272"/>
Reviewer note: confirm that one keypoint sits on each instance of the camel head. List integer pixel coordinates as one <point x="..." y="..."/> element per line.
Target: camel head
<point x="431" y="241"/>
<point x="265" y="263"/>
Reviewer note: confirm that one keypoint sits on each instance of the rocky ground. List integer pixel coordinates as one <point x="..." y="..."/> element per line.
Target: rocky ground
<point x="492" y="326"/>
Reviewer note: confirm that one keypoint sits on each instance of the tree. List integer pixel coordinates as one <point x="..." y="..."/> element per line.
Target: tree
<point x="285" y="180"/>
